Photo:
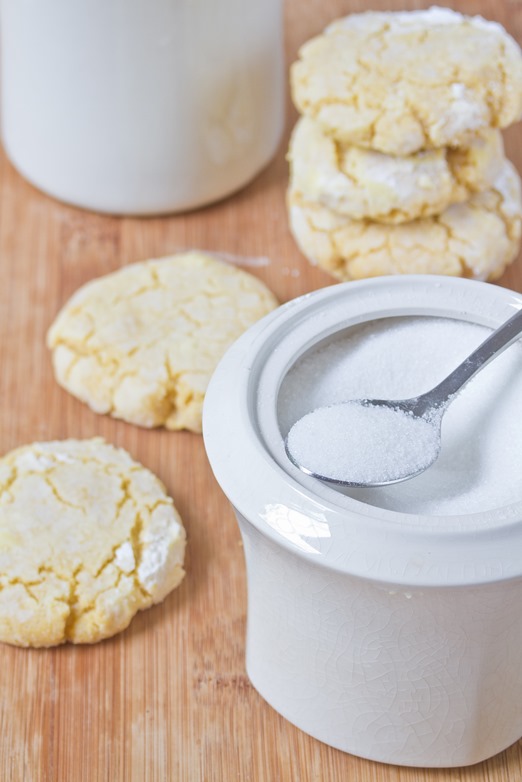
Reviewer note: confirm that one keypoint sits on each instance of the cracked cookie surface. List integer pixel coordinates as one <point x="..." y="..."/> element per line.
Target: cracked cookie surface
<point x="141" y="343"/>
<point x="475" y="239"/>
<point x="401" y="82"/>
<point x="361" y="183"/>
<point x="88" y="537"/>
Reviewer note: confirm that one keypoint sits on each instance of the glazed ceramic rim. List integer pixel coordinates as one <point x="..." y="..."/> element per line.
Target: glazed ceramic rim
<point x="315" y="522"/>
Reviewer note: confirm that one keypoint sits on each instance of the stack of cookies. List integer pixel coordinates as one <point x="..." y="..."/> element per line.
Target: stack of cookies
<point x="397" y="164"/>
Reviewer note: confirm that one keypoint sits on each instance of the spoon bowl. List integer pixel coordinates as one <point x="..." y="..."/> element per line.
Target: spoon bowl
<point x="389" y="442"/>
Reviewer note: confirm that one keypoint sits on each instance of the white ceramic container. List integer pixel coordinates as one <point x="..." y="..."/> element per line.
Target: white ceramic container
<point x="142" y="106"/>
<point x="392" y="636"/>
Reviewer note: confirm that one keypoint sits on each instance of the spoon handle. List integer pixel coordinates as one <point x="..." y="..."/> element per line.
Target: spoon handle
<point x="492" y="347"/>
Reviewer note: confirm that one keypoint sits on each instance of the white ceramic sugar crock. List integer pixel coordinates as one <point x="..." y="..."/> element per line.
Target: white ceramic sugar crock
<point x="142" y="106"/>
<point x="391" y="636"/>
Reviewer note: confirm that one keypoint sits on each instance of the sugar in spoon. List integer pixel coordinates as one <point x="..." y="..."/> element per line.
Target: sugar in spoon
<point x="377" y="442"/>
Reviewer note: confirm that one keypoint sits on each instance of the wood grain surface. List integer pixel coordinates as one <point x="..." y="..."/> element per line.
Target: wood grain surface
<point x="167" y="700"/>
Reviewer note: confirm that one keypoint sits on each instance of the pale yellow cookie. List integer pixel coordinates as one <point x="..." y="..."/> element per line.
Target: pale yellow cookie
<point x="361" y="183"/>
<point x="401" y="82"/>
<point x="88" y="537"/>
<point x="474" y="239"/>
<point x="142" y="343"/>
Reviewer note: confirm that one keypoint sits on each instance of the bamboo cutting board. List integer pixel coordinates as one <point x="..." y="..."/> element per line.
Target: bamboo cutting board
<point x="168" y="700"/>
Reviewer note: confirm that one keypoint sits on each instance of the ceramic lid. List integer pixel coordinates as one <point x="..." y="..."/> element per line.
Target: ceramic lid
<point x="312" y="520"/>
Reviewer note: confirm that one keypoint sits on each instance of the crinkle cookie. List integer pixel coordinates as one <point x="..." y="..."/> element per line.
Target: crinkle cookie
<point x="475" y="239"/>
<point x="401" y="82"/>
<point x="363" y="184"/>
<point x="141" y="343"/>
<point x="88" y="537"/>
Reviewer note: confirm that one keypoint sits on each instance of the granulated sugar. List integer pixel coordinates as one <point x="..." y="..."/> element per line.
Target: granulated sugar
<point x="359" y="443"/>
<point x="480" y="464"/>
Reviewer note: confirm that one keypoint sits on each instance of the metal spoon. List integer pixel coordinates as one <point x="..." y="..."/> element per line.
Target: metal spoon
<point x="428" y="408"/>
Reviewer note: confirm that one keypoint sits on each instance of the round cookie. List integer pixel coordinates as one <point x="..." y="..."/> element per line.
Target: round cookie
<point x="401" y="82"/>
<point x="475" y="239"/>
<point x="141" y="343"/>
<point x="88" y="537"/>
<point x="361" y="183"/>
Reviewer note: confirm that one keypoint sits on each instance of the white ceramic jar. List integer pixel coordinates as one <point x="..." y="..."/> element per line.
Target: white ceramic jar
<point x="143" y="106"/>
<point x="393" y="636"/>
